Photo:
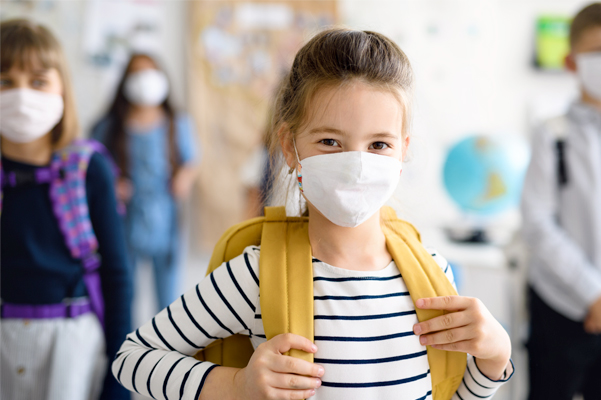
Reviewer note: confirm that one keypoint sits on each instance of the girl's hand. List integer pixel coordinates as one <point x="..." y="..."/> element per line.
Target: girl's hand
<point x="272" y="375"/>
<point x="468" y="328"/>
<point x="592" y="323"/>
<point x="182" y="182"/>
<point x="124" y="190"/>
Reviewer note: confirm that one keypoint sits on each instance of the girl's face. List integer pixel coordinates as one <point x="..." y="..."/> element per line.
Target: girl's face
<point x="37" y="78"/>
<point x="140" y="64"/>
<point x="355" y="117"/>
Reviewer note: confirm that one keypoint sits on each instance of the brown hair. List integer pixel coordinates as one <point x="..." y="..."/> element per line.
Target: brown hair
<point x="333" y="58"/>
<point x="587" y="18"/>
<point x="25" y="45"/>
<point x="117" y="116"/>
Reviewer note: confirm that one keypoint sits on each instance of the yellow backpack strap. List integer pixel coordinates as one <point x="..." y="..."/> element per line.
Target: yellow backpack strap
<point x="286" y="276"/>
<point x="424" y="278"/>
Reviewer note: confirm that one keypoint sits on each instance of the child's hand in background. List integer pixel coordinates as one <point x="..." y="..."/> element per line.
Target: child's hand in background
<point x="124" y="190"/>
<point x="468" y="328"/>
<point x="183" y="181"/>
<point x="592" y="323"/>
<point x="272" y="375"/>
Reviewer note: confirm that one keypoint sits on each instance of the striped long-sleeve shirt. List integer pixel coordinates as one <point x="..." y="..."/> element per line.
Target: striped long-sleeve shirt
<point x="363" y="331"/>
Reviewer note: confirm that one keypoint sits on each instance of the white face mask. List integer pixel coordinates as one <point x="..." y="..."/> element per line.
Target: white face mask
<point x="348" y="187"/>
<point x="589" y="73"/>
<point x="148" y="87"/>
<point x="27" y="114"/>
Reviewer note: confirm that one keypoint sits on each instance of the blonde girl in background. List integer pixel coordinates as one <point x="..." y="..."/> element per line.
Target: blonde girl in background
<point x="342" y="125"/>
<point x="62" y="239"/>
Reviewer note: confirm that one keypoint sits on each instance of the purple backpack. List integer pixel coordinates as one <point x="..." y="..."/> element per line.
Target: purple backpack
<point x="67" y="178"/>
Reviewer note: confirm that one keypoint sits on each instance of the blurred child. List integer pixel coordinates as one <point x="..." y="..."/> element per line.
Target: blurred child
<point x="342" y="119"/>
<point x="62" y="239"/>
<point x="561" y="206"/>
<point x="155" y="150"/>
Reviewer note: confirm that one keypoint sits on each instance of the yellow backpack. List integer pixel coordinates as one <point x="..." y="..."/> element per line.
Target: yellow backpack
<point x="286" y="290"/>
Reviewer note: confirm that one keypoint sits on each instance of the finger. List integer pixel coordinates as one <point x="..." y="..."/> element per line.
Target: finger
<point x="293" y="381"/>
<point x="447" y="336"/>
<point x="286" y="341"/>
<point x="449" y="303"/>
<point x="291" y="365"/>
<point x="462" y="347"/>
<point x="447" y="321"/>
<point x="291" y="394"/>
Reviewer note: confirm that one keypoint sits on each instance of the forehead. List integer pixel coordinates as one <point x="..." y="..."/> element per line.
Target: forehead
<point x="589" y="40"/>
<point x="356" y="107"/>
<point x="140" y="63"/>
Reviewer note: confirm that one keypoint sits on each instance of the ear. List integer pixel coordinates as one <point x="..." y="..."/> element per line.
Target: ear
<point x="570" y="63"/>
<point x="286" y="137"/>
<point x="406" y="142"/>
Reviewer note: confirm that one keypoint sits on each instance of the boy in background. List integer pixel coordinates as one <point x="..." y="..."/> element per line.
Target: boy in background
<point x="561" y="207"/>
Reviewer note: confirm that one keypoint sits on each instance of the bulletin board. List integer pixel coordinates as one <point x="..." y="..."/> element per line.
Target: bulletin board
<point x="239" y="53"/>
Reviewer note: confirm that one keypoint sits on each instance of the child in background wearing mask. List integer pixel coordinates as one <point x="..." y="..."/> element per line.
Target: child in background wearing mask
<point x="561" y="207"/>
<point x="155" y="150"/>
<point x="59" y="259"/>
<point x="341" y="124"/>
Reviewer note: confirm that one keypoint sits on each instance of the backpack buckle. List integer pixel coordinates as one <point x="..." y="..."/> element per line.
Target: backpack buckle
<point x="91" y="262"/>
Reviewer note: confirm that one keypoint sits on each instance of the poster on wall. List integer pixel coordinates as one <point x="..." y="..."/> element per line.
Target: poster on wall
<point x="240" y="51"/>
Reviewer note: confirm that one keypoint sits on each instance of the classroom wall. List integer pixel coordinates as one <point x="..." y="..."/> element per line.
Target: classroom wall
<point x="472" y="62"/>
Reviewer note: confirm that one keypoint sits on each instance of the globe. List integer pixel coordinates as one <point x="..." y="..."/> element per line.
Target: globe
<point x="484" y="174"/>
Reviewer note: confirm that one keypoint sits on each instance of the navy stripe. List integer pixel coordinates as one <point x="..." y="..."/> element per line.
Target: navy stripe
<point x="144" y="342"/>
<point x="226" y="302"/>
<point x="364" y="317"/>
<point x="261" y="336"/>
<point x="373" y="360"/>
<point x="458" y="395"/>
<point x="258" y="316"/>
<point x="424" y="397"/>
<point x="156" y="329"/>
<point x="150" y="376"/>
<point x="169" y="375"/>
<point x="121" y="369"/>
<point x="179" y="330"/>
<point x="478" y="383"/>
<point x="211" y="312"/>
<point x="356" y="278"/>
<point x="183" y="385"/>
<point x="361" y="339"/>
<point x="133" y="376"/>
<point x="250" y="304"/>
<point x="202" y="382"/>
<point x="447" y="268"/>
<point x="376" y="384"/>
<point x="469" y="390"/>
<point x="194" y="321"/>
<point x="250" y="268"/>
<point x="364" y="297"/>
<point x="314" y="260"/>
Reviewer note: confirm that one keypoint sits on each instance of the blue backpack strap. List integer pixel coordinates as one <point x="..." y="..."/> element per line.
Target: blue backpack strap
<point x="70" y="207"/>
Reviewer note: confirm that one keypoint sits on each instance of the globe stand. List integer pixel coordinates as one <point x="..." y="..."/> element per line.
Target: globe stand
<point x="474" y="235"/>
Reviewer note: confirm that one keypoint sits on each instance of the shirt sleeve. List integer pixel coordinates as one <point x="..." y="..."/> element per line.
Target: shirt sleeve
<point x="546" y="239"/>
<point x="475" y="385"/>
<point x="115" y="273"/>
<point x="158" y="357"/>
<point x="185" y="135"/>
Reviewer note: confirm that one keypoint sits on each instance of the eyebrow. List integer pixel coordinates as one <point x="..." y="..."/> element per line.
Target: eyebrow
<point x="326" y="129"/>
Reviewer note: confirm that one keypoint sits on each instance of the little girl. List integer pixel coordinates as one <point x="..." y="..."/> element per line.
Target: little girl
<point x="342" y="123"/>
<point x="62" y="238"/>
<point x="154" y="148"/>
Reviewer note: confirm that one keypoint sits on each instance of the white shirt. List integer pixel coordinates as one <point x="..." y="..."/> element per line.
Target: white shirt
<point x="363" y="330"/>
<point x="562" y="225"/>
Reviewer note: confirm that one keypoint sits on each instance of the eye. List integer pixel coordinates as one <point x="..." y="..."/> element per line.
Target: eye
<point x="38" y="83"/>
<point x="5" y="82"/>
<point x="379" y="146"/>
<point x="329" y="142"/>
